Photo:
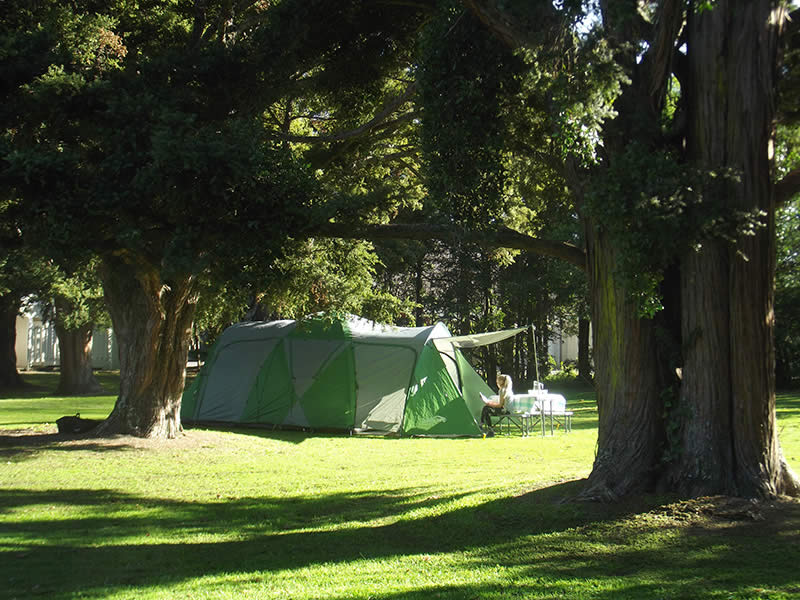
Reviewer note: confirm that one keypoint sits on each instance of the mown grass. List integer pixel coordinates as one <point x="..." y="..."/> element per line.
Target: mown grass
<point x="248" y="513"/>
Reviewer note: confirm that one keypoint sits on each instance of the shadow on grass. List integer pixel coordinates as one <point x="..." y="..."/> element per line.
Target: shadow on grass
<point x="274" y="534"/>
<point x="542" y="543"/>
<point x="22" y="445"/>
<point x="273" y="432"/>
<point x="26" y="391"/>
<point x="788" y="404"/>
<point x="42" y="384"/>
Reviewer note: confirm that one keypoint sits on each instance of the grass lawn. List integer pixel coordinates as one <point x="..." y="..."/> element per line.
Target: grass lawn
<point x="248" y="513"/>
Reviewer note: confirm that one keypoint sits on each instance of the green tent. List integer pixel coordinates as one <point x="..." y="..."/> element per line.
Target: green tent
<point x="341" y="374"/>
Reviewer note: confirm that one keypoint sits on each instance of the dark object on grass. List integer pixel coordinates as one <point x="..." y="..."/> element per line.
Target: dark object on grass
<point x="75" y="424"/>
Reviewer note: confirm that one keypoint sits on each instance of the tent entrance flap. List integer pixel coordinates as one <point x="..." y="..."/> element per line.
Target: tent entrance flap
<point x="383" y="373"/>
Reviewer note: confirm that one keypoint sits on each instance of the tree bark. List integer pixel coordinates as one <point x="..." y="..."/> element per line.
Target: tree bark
<point x="9" y="308"/>
<point x="584" y="363"/>
<point x="75" y="346"/>
<point x="704" y="461"/>
<point x="628" y="384"/>
<point x="152" y="318"/>
<point x="730" y="443"/>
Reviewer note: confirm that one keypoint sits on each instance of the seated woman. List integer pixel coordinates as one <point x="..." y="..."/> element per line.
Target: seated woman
<point x="504" y="392"/>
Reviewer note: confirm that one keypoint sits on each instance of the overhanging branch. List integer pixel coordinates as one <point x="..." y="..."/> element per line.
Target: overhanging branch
<point x="498" y="238"/>
<point x="509" y="28"/>
<point x="787" y="187"/>
<point x="374" y="122"/>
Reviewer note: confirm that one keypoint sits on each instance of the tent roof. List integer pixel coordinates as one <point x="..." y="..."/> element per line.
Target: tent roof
<point x="366" y="331"/>
<point x="350" y="326"/>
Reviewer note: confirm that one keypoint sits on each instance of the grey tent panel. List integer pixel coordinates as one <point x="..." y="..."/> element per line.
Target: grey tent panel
<point x="308" y="358"/>
<point x="231" y="378"/>
<point x="382" y="385"/>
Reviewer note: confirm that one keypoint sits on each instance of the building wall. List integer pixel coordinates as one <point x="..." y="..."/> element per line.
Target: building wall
<point x="42" y="349"/>
<point x="21" y="344"/>
<point x="104" y="349"/>
<point x="564" y="347"/>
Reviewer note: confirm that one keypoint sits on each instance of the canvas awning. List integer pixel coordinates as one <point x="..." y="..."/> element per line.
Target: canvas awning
<point x="478" y="339"/>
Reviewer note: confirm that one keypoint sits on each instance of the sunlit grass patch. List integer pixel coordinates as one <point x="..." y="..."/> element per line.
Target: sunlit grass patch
<point x="247" y="513"/>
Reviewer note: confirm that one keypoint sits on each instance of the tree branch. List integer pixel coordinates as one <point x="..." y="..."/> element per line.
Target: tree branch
<point x="669" y="23"/>
<point x="787" y="187"/>
<point x="199" y="23"/>
<point x="498" y="238"/>
<point x="511" y="29"/>
<point x="406" y="164"/>
<point x="792" y="24"/>
<point x="326" y="157"/>
<point x="374" y="122"/>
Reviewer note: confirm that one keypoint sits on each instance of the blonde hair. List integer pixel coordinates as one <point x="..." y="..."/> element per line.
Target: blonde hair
<point x="507" y="383"/>
<point x="505" y="391"/>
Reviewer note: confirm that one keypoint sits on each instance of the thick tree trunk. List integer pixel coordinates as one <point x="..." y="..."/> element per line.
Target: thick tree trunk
<point x="722" y="437"/>
<point x="703" y="461"/>
<point x="729" y="443"/>
<point x="152" y="320"/>
<point x="490" y="352"/>
<point x="75" y="347"/>
<point x="628" y="384"/>
<point x="9" y="308"/>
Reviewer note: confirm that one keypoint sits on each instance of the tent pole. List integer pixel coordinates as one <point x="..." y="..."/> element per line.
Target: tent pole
<point x="535" y="357"/>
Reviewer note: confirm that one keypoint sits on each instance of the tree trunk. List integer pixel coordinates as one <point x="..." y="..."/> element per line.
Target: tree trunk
<point x="704" y="459"/>
<point x="729" y="439"/>
<point x="418" y="291"/>
<point x="628" y="384"/>
<point x="75" y="346"/>
<point x="152" y="319"/>
<point x="584" y="363"/>
<point x="491" y="364"/>
<point x="9" y="308"/>
<point x="721" y="438"/>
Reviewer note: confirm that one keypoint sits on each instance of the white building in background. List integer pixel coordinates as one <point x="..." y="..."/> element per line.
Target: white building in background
<point x="21" y="343"/>
<point x="105" y="354"/>
<point x="37" y="345"/>
<point x="564" y="346"/>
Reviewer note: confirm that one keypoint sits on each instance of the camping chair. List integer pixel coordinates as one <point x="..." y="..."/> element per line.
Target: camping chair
<point x="516" y="417"/>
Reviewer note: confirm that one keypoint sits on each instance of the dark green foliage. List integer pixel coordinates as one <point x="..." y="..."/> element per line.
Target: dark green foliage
<point x="656" y="210"/>
<point x="787" y="296"/>
<point x="144" y="127"/>
<point x="789" y="73"/>
<point x="466" y="75"/>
